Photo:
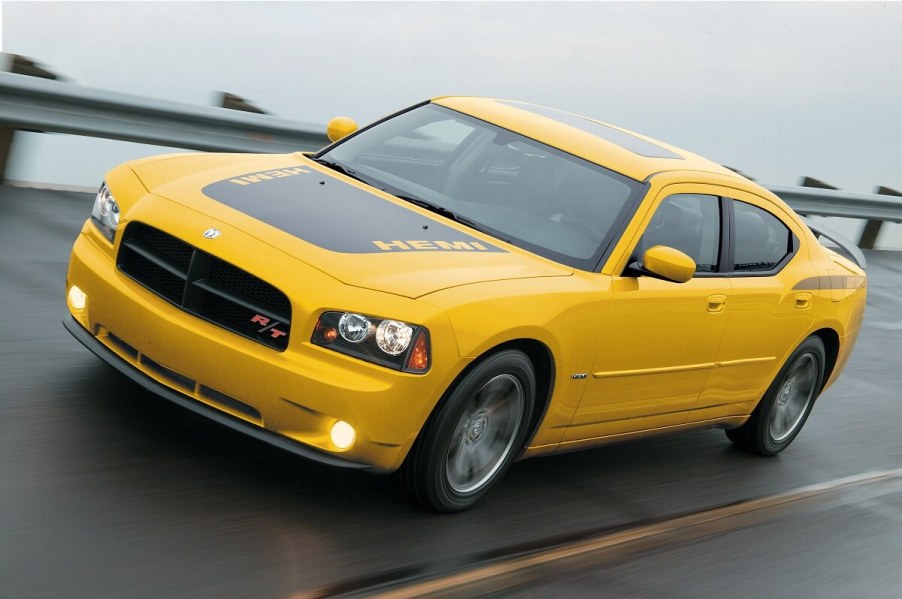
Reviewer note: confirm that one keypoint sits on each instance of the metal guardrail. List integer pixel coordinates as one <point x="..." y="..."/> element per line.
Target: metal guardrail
<point x="32" y="103"/>
<point x="38" y="104"/>
<point x="829" y="202"/>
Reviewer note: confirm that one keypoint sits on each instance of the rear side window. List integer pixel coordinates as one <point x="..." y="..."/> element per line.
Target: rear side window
<point x="762" y="241"/>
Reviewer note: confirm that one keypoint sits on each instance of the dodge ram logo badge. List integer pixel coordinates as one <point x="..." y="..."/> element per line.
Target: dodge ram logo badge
<point x="212" y="233"/>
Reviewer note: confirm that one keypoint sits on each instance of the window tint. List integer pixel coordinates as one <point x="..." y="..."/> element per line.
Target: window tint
<point x="689" y="223"/>
<point x="761" y="239"/>
<point x="540" y="195"/>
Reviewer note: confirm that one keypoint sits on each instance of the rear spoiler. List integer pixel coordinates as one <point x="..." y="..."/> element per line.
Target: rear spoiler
<point x="846" y="246"/>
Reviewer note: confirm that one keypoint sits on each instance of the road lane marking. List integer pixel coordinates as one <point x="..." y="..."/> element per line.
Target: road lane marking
<point x="518" y="570"/>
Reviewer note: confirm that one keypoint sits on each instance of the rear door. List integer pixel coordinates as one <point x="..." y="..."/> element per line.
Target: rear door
<point x="768" y="317"/>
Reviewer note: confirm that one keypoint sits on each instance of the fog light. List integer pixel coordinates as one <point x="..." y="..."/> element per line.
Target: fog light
<point x="342" y="434"/>
<point x="77" y="298"/>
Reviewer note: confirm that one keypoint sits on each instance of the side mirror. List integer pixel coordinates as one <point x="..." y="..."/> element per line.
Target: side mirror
<point x="340" y="126"/>
<point x="666" y="263"/>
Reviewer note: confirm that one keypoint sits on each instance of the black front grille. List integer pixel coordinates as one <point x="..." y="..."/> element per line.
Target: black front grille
<point x="205" y="285"/>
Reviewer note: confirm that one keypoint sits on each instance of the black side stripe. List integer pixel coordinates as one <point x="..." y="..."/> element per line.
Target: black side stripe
<point x="830" y="282"/>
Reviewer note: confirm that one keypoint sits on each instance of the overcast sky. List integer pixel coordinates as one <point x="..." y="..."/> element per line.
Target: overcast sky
<point x="778" y="90"/>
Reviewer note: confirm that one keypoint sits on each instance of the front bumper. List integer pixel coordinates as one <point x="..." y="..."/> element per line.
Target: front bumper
<point x="290" y="398"/>
<point x="186" y="401"/>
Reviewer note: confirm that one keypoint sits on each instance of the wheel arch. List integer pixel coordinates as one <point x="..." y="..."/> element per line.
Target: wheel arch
<point x="543" y="365"/>
<point x="830" y="338"/>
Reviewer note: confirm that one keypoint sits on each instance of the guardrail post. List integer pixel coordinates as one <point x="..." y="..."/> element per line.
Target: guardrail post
<point x="739" y="172"/>
<point x="20" y="66"/>
<point x="233" y="102"/>
<point x="6" y="144"/>
<point x="872" y="227"/>
<point x="815" y="183"/>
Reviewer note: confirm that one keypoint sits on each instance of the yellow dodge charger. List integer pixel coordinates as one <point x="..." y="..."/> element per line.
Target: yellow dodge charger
<point x="465" y="283"/>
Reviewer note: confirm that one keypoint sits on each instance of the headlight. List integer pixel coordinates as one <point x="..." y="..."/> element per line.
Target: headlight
<point x="105" y="213"/>
<point x="354" y="328"/>
<point x="390" y="343"/>
<point x="393" y="337"/>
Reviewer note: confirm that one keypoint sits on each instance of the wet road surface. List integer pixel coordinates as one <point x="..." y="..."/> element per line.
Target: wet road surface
<point x="108" y="492"/>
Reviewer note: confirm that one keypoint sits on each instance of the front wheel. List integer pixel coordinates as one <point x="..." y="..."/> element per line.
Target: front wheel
<point x="474" y="437"/>
<point x="783" y="410"/>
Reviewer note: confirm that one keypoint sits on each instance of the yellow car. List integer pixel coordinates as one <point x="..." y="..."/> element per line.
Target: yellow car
<point x="465" y="283"/>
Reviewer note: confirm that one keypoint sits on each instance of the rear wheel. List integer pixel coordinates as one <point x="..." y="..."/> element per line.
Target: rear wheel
<point x="471" y="441"/>
<point x="783" y="410"/>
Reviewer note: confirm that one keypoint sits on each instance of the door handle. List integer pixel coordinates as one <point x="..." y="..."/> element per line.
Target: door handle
<point x="803" y="301"/>
<point x="716" y="302"/>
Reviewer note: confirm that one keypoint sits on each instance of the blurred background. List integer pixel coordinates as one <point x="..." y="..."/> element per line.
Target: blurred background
<point x="778" y="90"/>
<point x="107" y="493"/>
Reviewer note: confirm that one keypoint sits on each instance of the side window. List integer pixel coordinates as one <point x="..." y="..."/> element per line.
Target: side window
<point x="761" y="239"/>
<point x="689" y="223"/>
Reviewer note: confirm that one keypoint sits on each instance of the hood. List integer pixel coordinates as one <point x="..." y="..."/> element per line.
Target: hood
<point x="349" y="230"/>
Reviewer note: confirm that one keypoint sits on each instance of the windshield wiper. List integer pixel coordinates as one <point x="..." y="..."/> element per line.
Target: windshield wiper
<point x="337" y="166"/>
<point x="450" y="215"/>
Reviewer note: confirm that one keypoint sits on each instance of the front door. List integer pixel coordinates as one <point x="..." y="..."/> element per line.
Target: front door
<point x="662" y="341"/>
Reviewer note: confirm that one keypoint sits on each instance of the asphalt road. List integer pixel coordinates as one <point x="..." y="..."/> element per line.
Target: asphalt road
<point x="108" y="492"/>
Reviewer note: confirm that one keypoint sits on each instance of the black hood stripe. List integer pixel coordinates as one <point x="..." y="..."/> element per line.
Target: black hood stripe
<point x="336" y="215"/>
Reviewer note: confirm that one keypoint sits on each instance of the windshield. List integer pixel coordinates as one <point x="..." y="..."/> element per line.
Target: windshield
<point x="502" y="183"/>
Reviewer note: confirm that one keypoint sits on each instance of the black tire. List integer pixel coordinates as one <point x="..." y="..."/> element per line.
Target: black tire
<point x="783" y="410"/>
<point x="477" y="432"/>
